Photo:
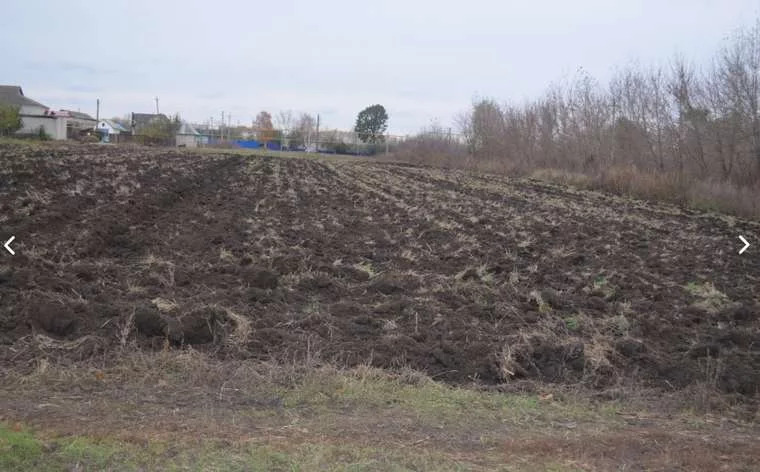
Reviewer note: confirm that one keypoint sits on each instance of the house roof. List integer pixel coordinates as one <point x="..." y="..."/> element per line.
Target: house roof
<point x="144" y="119"/>
<point x="78" y="115"/>
<point x="187" y="128"/>
<point x="115" y="125"/>
<point x="13" y="95"/>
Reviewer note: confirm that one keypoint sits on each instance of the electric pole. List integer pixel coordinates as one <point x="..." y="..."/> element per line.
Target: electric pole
<point x="97" y="113"/>
<point x="157" y="112"/>
<point x="317" y="144"/>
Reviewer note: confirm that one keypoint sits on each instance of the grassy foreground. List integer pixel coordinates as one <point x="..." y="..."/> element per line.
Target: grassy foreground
<point x="184" y="411"/>
<point x="22" y="450"/>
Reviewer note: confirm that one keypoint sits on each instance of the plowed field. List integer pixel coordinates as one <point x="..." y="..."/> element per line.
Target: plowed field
<point x="466" y="277"/>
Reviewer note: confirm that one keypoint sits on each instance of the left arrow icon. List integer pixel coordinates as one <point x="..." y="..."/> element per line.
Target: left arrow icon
<point x="7" y="245"/>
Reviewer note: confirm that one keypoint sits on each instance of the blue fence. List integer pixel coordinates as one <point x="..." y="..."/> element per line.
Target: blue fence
<point x="253" y="144"/>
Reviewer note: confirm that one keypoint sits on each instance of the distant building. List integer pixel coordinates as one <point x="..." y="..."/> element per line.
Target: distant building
<point x="34" y="115"/>
<point x="187" y="136"/>
<point x="76" y="122"/>
<point x="111" y="127"/>
<point x="140" y="121"/>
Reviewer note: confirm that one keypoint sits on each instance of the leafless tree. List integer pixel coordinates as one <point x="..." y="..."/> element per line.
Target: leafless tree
<point x="284" y="120"/>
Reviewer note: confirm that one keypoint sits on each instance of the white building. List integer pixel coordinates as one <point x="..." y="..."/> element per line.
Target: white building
<point x="111" y="127"/>
<point x="34" y="115"/>
<point x="76" y="121"/>
<point x="187" y="136"/>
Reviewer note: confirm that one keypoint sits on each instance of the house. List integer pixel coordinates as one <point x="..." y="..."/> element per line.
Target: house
<point x="208" y="135"/>
<point x="187" y="136"/>
<point x="77" y="119"/>
<point x="111" y="127"/>
<point x="140" y="121"/>
<point x="112" y="131"/>
<point x="76" y="122"/>
<point x="34" y="115"/>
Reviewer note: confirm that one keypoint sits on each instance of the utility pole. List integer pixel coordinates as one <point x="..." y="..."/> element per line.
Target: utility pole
<point x="97" y="113"/>
<point x="317" y="144"/>
<point x="221" y="127"/>
<point x="157" y="112"/>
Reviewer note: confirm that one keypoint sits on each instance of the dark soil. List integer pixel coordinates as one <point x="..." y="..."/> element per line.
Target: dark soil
<point x="465" y="277"/>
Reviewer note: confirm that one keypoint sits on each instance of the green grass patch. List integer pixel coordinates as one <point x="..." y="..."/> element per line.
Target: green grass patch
<point x="324" y="419"/>
<point x="432" y="402"/>
<point x="23" y="451"/>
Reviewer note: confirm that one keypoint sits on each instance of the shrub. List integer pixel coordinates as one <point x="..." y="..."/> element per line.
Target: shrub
<point x="42" y="134"/>
<point x="10" y="120"/>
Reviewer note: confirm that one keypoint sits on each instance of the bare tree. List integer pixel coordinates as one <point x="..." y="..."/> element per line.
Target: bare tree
<point x="487" y="129"/>
<point x="665" y="121"/>
<point x="303" y="132"/>
<point x="284" y="120"/>
<point x="738" y="81"/>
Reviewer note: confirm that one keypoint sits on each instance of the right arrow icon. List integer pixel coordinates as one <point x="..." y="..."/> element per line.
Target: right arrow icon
<point x="746" y="245"/>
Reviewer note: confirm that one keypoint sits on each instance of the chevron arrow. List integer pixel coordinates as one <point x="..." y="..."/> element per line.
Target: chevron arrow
<point x="746" y="245"/>
<point x="7" y="245"/>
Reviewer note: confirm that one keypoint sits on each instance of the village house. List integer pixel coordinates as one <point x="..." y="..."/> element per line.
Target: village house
<point x="111" y="131"/>
<point x="188" y="136"/>
<point x="140" y="121"/>
<point x="185" y="136"/>
<point x="76" y="122"/>
<point x="34" y="115"/>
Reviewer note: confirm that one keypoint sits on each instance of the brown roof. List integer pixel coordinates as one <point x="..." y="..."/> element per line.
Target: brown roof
<point x="140" y="120"/>
<point x="13" y="95"/>
<point x="77" y="114"/>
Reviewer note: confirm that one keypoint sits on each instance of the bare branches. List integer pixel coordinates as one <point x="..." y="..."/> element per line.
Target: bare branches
<point x="657" y="119"/>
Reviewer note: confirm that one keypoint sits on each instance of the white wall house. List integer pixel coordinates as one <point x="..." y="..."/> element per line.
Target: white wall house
<point x="76" y="121"/>
<point x="34" y="115"/>
<point x="111" y="127"/>
<point x="54" y="126"/>
<point x="187" y="136"/>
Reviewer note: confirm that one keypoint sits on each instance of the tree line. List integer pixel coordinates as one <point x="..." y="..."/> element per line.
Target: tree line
<point x="673" y="119"/>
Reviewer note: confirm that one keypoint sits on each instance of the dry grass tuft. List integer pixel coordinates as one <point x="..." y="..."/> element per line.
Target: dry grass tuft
<point x="165" y="305"/>
<point x="710" y="299"/>
<point x="242" y="331"/>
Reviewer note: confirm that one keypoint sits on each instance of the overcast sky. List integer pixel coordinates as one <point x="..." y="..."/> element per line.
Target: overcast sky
<point x="422" y="60"/>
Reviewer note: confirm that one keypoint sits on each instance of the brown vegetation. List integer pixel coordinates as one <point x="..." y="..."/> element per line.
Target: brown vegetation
<point x="672" y="133"/>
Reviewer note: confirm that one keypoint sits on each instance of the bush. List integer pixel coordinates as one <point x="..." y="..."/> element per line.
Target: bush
<point x="626" y="180"/>
<point x="42" y="134"/>
<point x="432" y="148"/>
<point x="10" y="120"/>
